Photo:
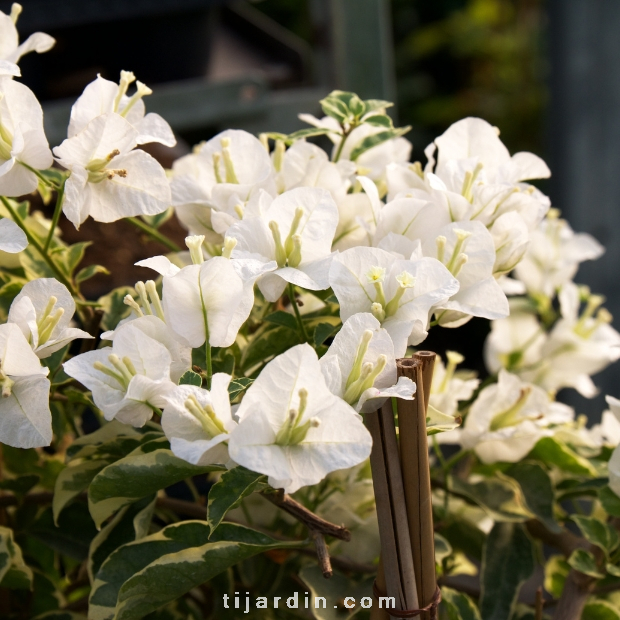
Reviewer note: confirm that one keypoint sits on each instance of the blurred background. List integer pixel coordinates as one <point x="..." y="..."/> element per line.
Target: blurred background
<point x="546" y="72"/>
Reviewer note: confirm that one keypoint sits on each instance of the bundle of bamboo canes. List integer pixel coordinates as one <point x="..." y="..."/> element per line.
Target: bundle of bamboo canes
<point x="402" y="484"/>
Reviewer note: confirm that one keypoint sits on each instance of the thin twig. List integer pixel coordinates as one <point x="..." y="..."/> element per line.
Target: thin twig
<point x="538" y="605"/>
<point x="154" y="233"/>
<point x="322" y="554"/>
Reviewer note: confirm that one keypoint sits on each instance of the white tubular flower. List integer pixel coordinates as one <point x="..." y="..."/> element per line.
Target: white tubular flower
<point x="398" y="293"/>
<point x="10" y="48"/>
<point x="110" y="180"/>
<point x="450" y="385"/>
<point x="43" y="311"/>
<point x="292" y="428"/>
<point x="128" y="379"/>
<point x="578" y="346"/>
<point x="12" y="238"/>
<point x="360" y="366"/>
<point x="212" y="188"/>
<point x="25" y="417"/>
<point x="103" y="96"/>
<point x="508" y="418"/>
<point x="23" y="144"/>
<point x="295" y="231"/>
<point x="198" y="422"/>
<point x="156" y="328"/>
<point x="468" y="252"/>
<point x="554" y="255"/>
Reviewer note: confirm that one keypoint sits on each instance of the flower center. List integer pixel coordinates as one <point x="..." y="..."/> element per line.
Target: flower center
<point x="127" y="78"/>
<point x="205" y="414"/>
<point x="48" y="320"/>
<point x="293" y="431"/>
<point x="98" y="172"/>
<point x="224" y="158"/>
<point x="379" y="308"/>
<point x="149" y="300"/>
<point x="454" y="359"/>
<point x="288" y="254"/>
<point x="457" y="259"/>
<point x="511" y="417"/>
<point x="122" y="370"/>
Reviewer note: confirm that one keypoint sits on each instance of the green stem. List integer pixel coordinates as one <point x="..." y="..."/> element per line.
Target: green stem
<point x="56" y="217"/>
<point x="345" y="135"/>
<point x="302" y="327"/>
<point x="32" y="241"/>
<point x="154" y="234"/>
<point x="450" y="463"/>
<point x="39" y="176"/>
<point x="209" y="362"/>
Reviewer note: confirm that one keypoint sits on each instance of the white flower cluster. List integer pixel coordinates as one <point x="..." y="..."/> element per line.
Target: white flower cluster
<point x="402" y="248"/>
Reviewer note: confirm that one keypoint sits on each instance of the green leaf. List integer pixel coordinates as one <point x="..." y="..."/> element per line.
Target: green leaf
<point x="224" y="362"/>
<point x="237" y="386"/>
<point x="372" y="105"/>
<point x="268" y="342"/>
<point x="114" y="308"/>
<point x="145" y="575"/>
<point x="556" y="570"/>
<point x="500" y="497"/>
<point x="374" y="140"/>
<point x="129" y="524"/>
<point x="34" y="266"/>
<point x="158" y="220"/>
<point x="553" y="452"/>
<point x="610" y="501"/>
<point x="458" y="606"/>
<point x="191" y="378"/>
<point x="228" y="492"/>
<point x="137" y="476"/>
<point x="597" y="533"/>
<point x="88" y="272"/>
<point x="72" y="256"/>
<point x="72" y="481"/>
<point x="108" y="441"/>
<point x="379" y="120"/>
<point x="60" y="615"/>
<point x="323" y="331"/>
<point x="600" y="610"/>
<point x="537" y="490"/>
<point x="14" y="573"/>
<point x="336" y="105"/>
<point x="310" y="132"/>
<point x="507" y="563"/>
<point x="286" y="319"/>
<point x="584" y="562"/>
<point x="442" y="548"/>
<point x="20" y="485"/>
<point x="613" y="570"/>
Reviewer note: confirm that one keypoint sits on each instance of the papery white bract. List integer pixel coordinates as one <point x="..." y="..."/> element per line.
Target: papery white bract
<point x="197" y="422"/>
<point x="360" y="366"/>
<point x="110" y="180"/>
<point x="12" y="238"/>
<point x="292" y="428"/>
<point x="296" y="232"/>
<point x="43" y="310"/>
<point x="10" y="48"/>
<point x="128" y="379"/>
<point x="23" y="144"/>
<point x="451" y="386"/>
<point x="400" y="293"/>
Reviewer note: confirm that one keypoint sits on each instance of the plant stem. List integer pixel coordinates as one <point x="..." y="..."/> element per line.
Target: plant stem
<point x="39" y="176"/>
<point x="56" y="217"/>
<point x="154" y="233"/>
<point x="32" y="241"/>
<point x="345" y="135"/>
<point x="302" y="328"/>
<point x="209" y="363"/>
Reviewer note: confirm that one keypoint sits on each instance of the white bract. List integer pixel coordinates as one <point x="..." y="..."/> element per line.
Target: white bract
<point x="103" y="96"/>
<point x="398" y="293"/>
<point x="295" y="231"/>
<point x="197" y="422"/>
<point x="10" y="48"/>
<point x="292" y="428"/>
<point x="43" y="311"/>
<point x="451" y="386"/>
<point x="23" y="146"/>
<point x="12" y="238"/>
<point x="110" y="180"/>
<point x="128" y="379"/>
<point x="508" y="418"/>
<point x="360" y="366"/>
<point x="25" y="417"/>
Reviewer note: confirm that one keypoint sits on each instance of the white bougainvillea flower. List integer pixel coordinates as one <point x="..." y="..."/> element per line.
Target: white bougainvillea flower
<point x="468" y="252"/>
<point x="360" y="366"/>
<point x="451" y="385"/>
<point x="10" y="48"/>
<point x="554" y="255"/>
<point x="197" y="422"/>
<point x="511" y="238"/>
<point x="607" y="433"/>
<point x="508" y="418"/>
<point x="155" y="327"/>
<point x="103" y="96"/>
<point x="128" y="379"/>
<point x="212" y="186"/>
<point x="25" y="417"/>
<point x="23" y="145"/>
<point x="43" y="310"/>
<point x="110" y="180"/>
<point x="9" y="69"/>
<point x="399" y="293"/>
<point x="295" y="231"/>
<point x="292" y="428"/>
<point x="12" y="238"/>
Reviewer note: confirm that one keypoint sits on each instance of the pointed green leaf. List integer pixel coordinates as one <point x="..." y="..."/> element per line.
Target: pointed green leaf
<point x="322" y="332"/>
<point x="228" y="492"/>
<point x="553" y="452"/>
<point x="379" y="120"/>
<point x="457" y="605"/>
<point x="89" y="272"/>
<point x="600" y="610"/>
<point x="374" y="140"/>
<point x="373" y="105"/>
<point x="598" y="533"/>
<point x="137" y="476"/>
<point x="507" y="563"/>
<point x="14" y="573"/>
<point x="268" y="341"/>
<point x="286" y="319"/>
<point x="191" y="378"/>
<point x="237" y="386"/>
<point x="556" y="570"/>
<point x="114" y="308"/>
<point x="158" y="220"/>
<point x="585" y="563"/>
<point x="310" y="132"/>
<point x="610" y="501"/>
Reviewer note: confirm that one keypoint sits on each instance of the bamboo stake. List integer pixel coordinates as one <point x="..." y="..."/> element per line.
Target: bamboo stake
<point x="416" y="474"/>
